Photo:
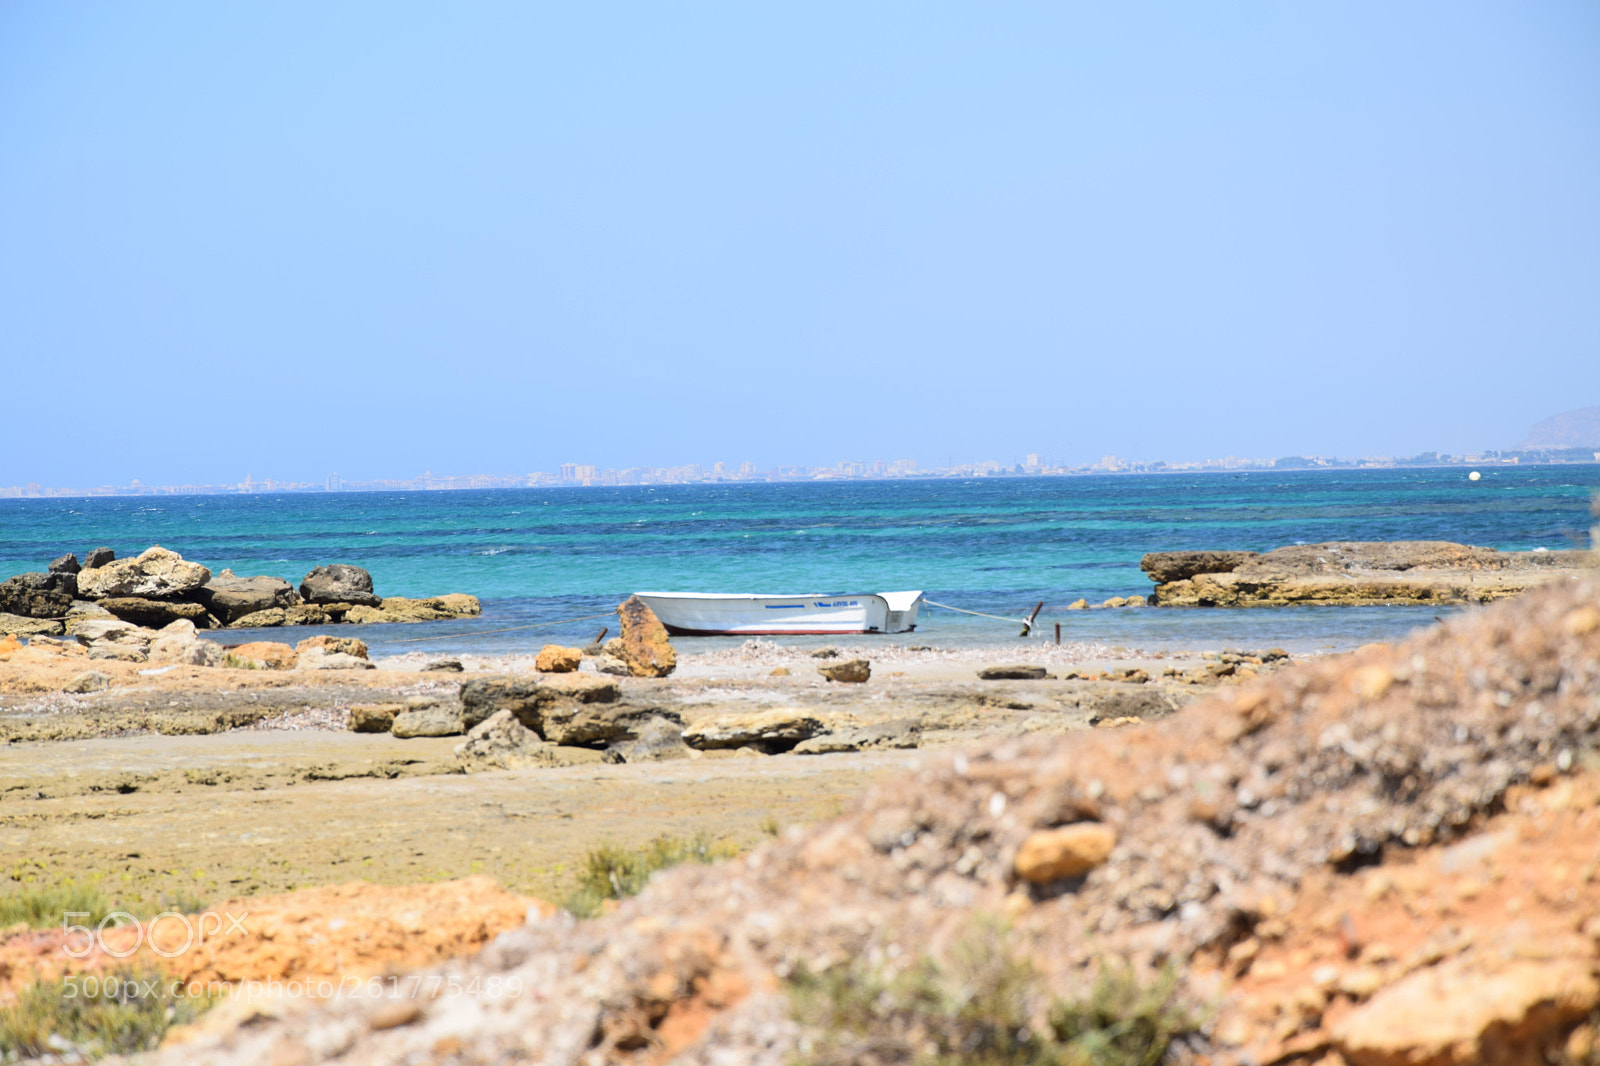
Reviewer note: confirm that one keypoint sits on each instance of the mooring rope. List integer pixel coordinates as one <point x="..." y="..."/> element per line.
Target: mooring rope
<point x="511" y="629"/>
<point x="980" y="614"/>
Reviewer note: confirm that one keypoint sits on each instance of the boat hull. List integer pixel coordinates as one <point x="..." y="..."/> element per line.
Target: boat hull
<point x="695" y="614"/>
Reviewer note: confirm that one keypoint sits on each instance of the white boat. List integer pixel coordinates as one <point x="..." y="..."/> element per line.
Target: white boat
<point x="710" y="614"/>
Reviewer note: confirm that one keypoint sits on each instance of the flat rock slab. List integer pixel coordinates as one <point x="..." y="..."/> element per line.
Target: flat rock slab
<point x="777" y="728"/>
<point x="1356" y="573"/>
<point x="1013" y="672"/>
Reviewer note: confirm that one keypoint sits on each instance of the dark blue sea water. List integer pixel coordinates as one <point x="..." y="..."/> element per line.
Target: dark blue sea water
<point x="989" y="544"/>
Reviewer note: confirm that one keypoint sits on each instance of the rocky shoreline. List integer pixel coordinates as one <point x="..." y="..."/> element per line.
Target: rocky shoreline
<point x="159" y="587"/>
<point x="1356" y="573"/>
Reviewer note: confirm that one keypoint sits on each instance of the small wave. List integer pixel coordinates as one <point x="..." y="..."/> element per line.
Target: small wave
<point x="493" y="551"/>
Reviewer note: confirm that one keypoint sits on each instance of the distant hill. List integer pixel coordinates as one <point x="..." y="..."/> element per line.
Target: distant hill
<point x="1569" y="429"/>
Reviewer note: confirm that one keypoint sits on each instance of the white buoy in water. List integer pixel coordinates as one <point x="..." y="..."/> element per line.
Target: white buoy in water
<point x="1474" y="476"/>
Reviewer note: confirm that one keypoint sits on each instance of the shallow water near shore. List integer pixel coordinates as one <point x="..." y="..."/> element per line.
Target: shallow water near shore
<point x="998" y="545"/>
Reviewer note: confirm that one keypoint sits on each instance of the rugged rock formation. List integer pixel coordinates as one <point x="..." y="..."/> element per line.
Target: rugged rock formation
<point x="527" y="697"/>
<point x="339" y="583"/>
<point x="65" y="564"/>
<point x="98" y="557"/>
<point x="38" y="594"/>
<point x="648" y="652"/>
<point x="156" y="574"/>
<point x="230" y="597"/>
<point x="1180" y="566"/>
<point x="1354" y="573"/>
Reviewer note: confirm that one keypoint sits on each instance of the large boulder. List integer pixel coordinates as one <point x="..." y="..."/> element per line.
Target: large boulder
<point x="155" y="613"/>
<point x="155" y="573"/>
<point x="65" y="564"/>
<point x="648" y="651"/>
<point x="231" y="597"/>
<point x="339" y="583"/>
<point x="98" y="557"/>
<point x="38" y="594"/>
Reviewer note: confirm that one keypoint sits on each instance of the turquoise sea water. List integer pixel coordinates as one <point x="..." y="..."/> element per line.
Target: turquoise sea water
<point x="989" y="544"/>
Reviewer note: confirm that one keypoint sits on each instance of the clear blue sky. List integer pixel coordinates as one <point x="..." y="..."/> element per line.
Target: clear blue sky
<point x="375" y="238"/>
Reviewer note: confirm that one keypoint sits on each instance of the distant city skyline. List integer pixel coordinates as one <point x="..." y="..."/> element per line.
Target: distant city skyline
<point x="1034" y="464"/>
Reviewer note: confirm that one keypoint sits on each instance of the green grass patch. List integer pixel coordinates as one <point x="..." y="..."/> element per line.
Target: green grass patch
<point x="981" y="1005"/>
<point x="610" y="872"/>
<point x="116" y="1013"/>
<point x="46" y="907"/>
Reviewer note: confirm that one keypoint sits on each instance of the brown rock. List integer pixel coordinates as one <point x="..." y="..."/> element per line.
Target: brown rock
<point x="153" y="614"/>
<point x="374" y="717"/>
<point x="649" y="652"/>
<point x="1066" y="851"/>
<point x="851" y="671"/>
<point x="260" y="655"/>
<point x="555" y="659"/>
<point x="330" y="644"/>
<point x="779" y="671"/>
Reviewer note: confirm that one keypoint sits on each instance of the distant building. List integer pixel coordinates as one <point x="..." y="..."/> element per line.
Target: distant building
<point x="335" y="483"/>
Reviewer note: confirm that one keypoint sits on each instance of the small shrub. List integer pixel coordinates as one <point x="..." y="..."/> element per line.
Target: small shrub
<point x="116" y="1013"/>
<point x="610" y="872"/>
<point x="45" y="908"/>
<point x="982" y="1005"/>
